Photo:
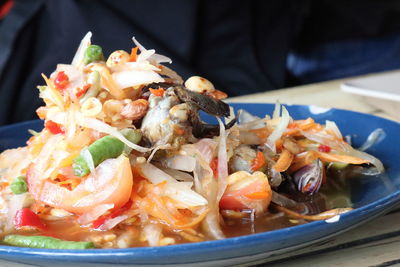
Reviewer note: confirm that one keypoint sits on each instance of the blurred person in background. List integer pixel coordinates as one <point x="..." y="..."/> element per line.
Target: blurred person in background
<point x="243" y="47"/>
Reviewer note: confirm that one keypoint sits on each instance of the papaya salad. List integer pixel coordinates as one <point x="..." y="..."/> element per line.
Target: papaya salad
<point x="125" y="160"/>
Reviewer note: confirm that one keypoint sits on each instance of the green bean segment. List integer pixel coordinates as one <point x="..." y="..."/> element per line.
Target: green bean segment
<point x="104" y="148"/>
<point x="92" y="53"/>
<point x="19" y="185"/>
<point x="133" y="135"/>
<point x="44" y="242"/>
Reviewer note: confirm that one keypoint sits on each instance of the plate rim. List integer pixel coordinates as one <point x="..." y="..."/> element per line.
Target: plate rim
<point x="227" y="244"/>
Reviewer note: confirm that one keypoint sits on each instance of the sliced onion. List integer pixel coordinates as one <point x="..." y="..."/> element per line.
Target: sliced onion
<point x="71" y="122"/>
<point x="212" y="226"/>
<point x="144" y="65"/>
<point x="179" y="191"/>
<point x="222" y="161"/>
<point x="152" y="233"/>
<point x="331" y="125"/>
<point x="105" y="128"/>
<point x="43" y="159"/>
<point x="16" y="203"/>
<point x="95" y="213"/>
<point x="277" y="110"/>
<point x="87" y="156"/>
<point x="86" y="41"/>
<point x="374" y="137"/>
<point x="154" y="174"/>
<point x="206" y="185"/>
<point x="145" y="55"/>
<point x="374" y="161"/>
<point x="178" y="175"/>
<point x="279" y="130"/>
<point x="56" y="116"/>
<point x="180" y="162"/>
<point x="206" y="147"/>
<point x="130" y="78"/>
<point x="246" y="117"/>
<point x="155" y="57"/>
<point x="111" y="223"/>
<point x="326" y="139"/>
<point x="249" y="138"/>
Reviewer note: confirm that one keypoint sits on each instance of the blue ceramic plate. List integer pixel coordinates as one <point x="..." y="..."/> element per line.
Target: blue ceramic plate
<point x="371" y="197"/>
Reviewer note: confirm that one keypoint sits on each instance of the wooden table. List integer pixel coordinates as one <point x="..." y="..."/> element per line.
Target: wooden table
<point x="376" y="243"/>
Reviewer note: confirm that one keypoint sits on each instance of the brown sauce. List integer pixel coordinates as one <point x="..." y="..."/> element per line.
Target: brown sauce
<point x="333" y="194"/>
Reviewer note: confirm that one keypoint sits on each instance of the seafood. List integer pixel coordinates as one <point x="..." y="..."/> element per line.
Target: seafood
<point x="175" y="113"/>
<point x="125" y="160"/>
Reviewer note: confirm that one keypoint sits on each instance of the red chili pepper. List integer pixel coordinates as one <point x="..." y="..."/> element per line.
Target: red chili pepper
<point x="114" y="213"/>
<point x="26" y="217"/>
<point x="157" y="92"/>
<point x="82" y="91"/>
<point x="324" y="148"/>
<point x="214" y="166"/>
<point x="53" y="127"/>
<point x="258" y="162"/>
<point x="61" y="81"/>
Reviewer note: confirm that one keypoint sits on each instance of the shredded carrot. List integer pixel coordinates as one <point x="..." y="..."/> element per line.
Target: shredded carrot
<point x="133" y="55"/>
<point x="70" y="183"/>
<point x="108" y="81"/>
<point x="329" y="157"/>
<point x="294" y="128"/>
<point x="41" y="112"/>
<point x="179" y="130"/>
<point x="310" y="156"/>
<point x="261" y="133"/>
<point x="82" y="91"/>
<point x="302" y="160"/>
<point x="258" y="162"/>
<point x="38" y="207"/>
<point x="279" y="144"/>
<point x="157" y="92"/>
<point x="3" y="185"/>
<point x="214" y="166"/>
<point x="258" y="195"/>
<point x="284" y="161"/>
<point x="316" y="217"/>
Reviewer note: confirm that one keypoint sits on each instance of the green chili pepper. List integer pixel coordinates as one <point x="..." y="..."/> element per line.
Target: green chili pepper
<point x="104" y="148"/>
<point x="19" y="185"/>
<point x="92" y="53"/>
<point x="44" y="242"/>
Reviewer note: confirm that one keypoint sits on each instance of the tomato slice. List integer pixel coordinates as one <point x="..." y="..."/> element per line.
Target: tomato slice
<point x="249" y="191"/>
<point x="53" y="127"/>
<point x="110" y="183"/>
<point x="26" y="217"/>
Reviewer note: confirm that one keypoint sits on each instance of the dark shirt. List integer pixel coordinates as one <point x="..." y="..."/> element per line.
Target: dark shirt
<point x="241" y="46"/>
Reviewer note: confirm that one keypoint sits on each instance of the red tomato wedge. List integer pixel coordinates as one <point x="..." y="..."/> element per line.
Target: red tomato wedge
<point x="110" y="183"/>
<point x="247" y="191"/>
